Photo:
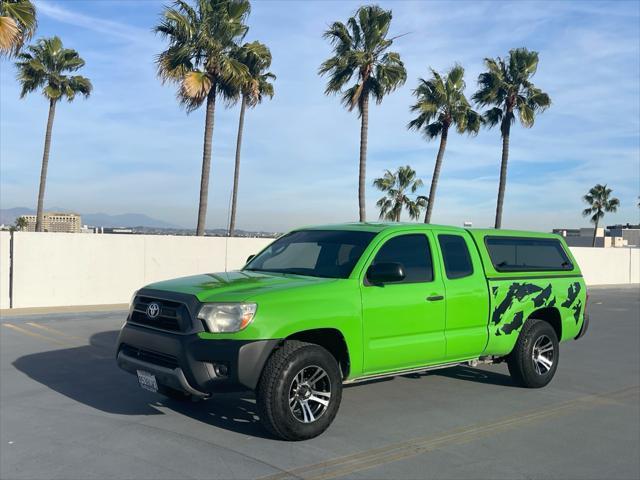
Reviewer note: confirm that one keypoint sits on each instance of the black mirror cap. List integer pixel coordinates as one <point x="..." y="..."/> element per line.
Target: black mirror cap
<point x="250" y="257"/>
<point x="388" y="272"/>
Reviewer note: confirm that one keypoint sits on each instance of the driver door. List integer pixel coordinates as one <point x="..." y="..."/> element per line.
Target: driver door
<point x="404" y="321"/>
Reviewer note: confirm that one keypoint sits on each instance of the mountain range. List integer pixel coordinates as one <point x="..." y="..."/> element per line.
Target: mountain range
<point x="8" y="217"/>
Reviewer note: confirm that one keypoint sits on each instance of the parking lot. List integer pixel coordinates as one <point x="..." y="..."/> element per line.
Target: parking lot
<point x="67" y="412"/>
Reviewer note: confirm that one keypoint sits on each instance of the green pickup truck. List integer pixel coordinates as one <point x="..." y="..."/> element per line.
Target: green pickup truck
<point x="330" y="305"/>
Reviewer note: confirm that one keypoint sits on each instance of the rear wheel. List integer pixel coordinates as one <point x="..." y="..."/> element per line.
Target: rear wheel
<point x="299" y="392"/>
<point x="534" y="359"/>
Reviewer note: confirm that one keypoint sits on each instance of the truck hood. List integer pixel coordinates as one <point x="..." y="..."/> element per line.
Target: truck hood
<point x="236" y="285"/>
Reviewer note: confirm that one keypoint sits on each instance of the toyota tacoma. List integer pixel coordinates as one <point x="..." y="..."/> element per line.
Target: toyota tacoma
<point x="325" y="306"/>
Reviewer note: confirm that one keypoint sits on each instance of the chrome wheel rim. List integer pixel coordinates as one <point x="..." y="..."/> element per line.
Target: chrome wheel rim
<point x="542" y="355"/>
<point x="309" y="394"/>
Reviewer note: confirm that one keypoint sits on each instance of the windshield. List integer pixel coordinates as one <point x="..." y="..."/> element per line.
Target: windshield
<point x="316" y="253"/>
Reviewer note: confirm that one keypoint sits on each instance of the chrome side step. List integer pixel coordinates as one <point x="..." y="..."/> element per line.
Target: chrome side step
<point x="471" y="362"/>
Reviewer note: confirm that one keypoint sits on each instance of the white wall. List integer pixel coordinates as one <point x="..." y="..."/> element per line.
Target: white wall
<point x="63" y="269"/>
<point x="608" y="266"/>
<point x="4" y="269"/>
<point x="58" y="269"/>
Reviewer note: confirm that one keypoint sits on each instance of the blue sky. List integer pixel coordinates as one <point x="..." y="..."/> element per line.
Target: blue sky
<point x="130" y="148"/>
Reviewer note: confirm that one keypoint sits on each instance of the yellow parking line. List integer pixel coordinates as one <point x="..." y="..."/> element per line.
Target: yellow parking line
<point x="55" y="331"/>
<point x="342" y="466"/>
<point x="49" y="339"/>
<point x="24" y="331"/>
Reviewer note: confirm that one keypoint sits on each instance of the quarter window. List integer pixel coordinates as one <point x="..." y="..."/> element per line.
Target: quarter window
<point x="413" y="253"/>
<point x="457" y="262"/>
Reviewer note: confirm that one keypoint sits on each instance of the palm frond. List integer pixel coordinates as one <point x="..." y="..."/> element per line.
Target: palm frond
<point x="599" y="201"/>
<point x="441" y="103"/>
<point x="395" y="185"/>
<point x="506" y="85"/>
<point x="44" y="66"/>
<point x="202" y="51"/>
<point x="360" y="53"/>
<point x="18" y="23"/>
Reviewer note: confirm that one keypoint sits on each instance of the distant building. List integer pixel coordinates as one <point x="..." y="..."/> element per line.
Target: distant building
<point x="611" y="236"/>
<point x="55" y="222"/>
<point x="630" y="233"/>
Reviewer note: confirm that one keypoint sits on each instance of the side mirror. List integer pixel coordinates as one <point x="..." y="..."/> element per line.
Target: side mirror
<point x="385" y="273"/>
<point x="250" y="257"/>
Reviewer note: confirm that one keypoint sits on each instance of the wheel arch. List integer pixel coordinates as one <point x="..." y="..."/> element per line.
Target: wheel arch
<point x="332" y="340"/>
<point x="552" y="316"/>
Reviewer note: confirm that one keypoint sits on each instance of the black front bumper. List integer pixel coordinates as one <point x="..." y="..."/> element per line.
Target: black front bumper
<point x="191" y="364"/>
<point x="186" y="362"/>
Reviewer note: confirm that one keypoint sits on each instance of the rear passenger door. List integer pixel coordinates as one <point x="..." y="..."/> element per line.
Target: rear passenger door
<point x="466" y="295"/>
<point x="403" y="322"/>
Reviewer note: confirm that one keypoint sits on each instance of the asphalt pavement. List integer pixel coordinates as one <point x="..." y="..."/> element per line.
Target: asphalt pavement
<point x="67" y="412"/>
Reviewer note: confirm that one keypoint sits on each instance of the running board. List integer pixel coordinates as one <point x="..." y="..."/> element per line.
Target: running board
<point x="471" y="362"/>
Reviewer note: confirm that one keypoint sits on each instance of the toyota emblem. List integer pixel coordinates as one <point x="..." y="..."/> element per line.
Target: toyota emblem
<point x="153" y="310"/>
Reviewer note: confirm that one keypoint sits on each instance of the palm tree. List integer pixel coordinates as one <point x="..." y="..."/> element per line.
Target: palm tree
<point x="507" y="86"/>
<point x="46" y="65"/>
<point x="202" y="40"/>
<point x="395" y="185"/>
<point x="17" y="25"/>
<point x="361" y="51"/>
<point x="252" y="89"/>
<point x="20" y="223"/>
<point x="441" y="103"/>
<point x="599" y="202"/>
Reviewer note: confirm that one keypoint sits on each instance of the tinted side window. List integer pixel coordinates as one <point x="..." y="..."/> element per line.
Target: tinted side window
<point x="413" y="252"/>
<point x="527" y="254"/>
<point x="457" y="262"/>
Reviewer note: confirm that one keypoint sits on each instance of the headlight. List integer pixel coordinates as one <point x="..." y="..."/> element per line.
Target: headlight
<point x="227" y="317"/>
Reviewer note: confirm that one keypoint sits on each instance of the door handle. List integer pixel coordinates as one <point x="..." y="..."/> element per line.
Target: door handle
<point x="435" y="298"/>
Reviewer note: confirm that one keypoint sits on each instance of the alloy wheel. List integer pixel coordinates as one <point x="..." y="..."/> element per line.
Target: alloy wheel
<point x="542" y="355"/>
<point x="309" y="394"/>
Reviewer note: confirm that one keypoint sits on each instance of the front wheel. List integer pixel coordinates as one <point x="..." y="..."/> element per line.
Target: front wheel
<point x="299" y="392"/>
<point x="534" y="359"/>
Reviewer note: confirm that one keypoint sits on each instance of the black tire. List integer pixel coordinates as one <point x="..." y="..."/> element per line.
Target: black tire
<point x="292" y="359"/>
<point x="524" y="369"/>
<point x="173" y="394"/>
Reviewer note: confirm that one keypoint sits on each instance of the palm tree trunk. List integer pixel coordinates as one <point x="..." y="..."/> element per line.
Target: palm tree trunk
<point x="364" y="130"/>
<point x="595" y="231"/>
<point x="236" y="173"/>
<point x="436" y="174"/>
<point x="206" y="161"/>
<point x="503" y="176"/>
<point x="45" y="166"/>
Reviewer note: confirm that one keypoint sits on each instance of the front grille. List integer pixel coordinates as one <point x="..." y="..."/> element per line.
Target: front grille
<point x="156" y="358"/>
<point x="173" y="316"/>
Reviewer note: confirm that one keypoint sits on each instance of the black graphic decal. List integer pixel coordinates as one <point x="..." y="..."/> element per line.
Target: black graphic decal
<point x="516" y="291"/>
<point x="576" y="311"/>
<point x="495" y="291"/>
<point x="542" y="298"/>
<point x="572" y="294"/>
<point x="515" y="324"/>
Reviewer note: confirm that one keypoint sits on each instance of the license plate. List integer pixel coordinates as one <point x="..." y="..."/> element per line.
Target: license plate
<point x="147" y="381"/>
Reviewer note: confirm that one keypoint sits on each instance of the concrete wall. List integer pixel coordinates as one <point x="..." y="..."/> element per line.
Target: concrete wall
<point x="608" y="266"/>
<point x="4" y="269"/>
<point x="60" y="269"/>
